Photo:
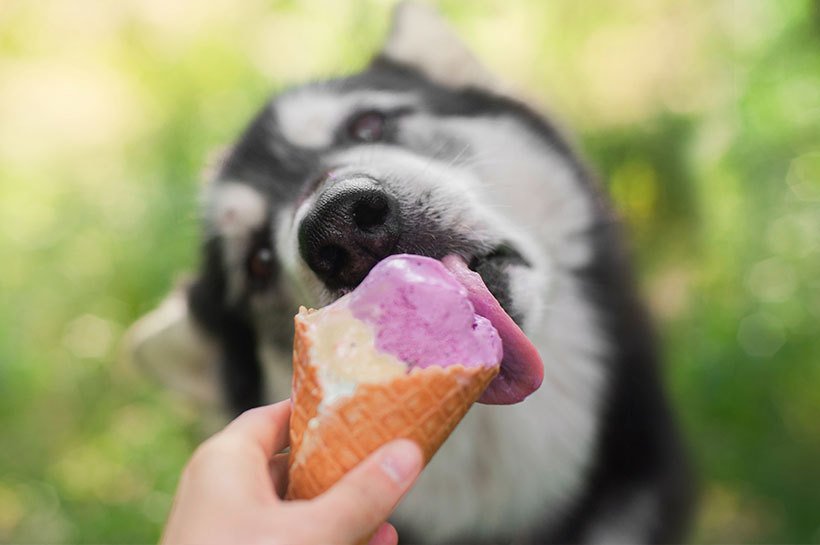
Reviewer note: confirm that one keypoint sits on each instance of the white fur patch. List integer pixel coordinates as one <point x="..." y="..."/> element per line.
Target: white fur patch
<point x="234" y="210"/>
<point x="522" y="284"/>
<point x="310" y="117"/>
<point x="530" y="185"/>
<point x="301" y="284"/>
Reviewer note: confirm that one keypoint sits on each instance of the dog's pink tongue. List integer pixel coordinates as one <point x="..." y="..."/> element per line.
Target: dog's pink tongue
<point x="522" y="370"/>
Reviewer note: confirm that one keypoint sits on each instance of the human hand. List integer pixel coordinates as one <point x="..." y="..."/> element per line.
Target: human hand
<point x="230" y="491"/>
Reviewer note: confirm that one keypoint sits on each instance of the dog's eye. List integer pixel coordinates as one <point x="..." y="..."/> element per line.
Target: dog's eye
<point x="260" y="266"/>
<point x="367" y="126"/>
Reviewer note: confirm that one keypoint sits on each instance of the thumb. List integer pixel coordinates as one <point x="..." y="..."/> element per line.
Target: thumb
<point x="366" y="496"/>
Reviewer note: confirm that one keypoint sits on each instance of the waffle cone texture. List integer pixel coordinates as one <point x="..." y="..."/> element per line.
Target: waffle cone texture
<point x="424" y="405"/>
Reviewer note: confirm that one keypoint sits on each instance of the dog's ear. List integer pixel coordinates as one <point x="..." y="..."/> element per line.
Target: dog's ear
<point x="420" y="38"/>
<point x="200" y="346"/>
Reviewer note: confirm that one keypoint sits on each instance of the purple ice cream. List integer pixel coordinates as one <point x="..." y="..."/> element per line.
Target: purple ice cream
<point x="422" y="315"/>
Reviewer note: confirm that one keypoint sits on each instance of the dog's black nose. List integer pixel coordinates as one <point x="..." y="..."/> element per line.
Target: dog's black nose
<point x="353" y="225"/>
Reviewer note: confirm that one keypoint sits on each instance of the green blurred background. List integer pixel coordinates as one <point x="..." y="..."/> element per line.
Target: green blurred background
<point x="702" y="116"/>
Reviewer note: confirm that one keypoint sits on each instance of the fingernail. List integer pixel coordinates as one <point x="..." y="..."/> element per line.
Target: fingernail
<point x="401" y="460"/>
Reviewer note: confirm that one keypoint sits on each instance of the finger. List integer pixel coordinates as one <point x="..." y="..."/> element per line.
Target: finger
<point x="267" y="426"/>
<point x="279" y="473"/>
<point x="366" y="496"/>
<point x="385" y="535"/>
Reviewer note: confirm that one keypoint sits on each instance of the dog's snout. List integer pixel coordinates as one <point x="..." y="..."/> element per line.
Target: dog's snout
<point x="351" y="227"/>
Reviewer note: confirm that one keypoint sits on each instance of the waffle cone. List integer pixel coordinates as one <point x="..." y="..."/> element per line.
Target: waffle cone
<point x="424" y="405"/>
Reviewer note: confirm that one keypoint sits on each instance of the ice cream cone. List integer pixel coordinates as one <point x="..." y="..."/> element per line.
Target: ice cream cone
<point x="424" y="405"/>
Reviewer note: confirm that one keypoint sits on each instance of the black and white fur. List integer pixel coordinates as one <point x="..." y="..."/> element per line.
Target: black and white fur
<point x="593" y="455"/>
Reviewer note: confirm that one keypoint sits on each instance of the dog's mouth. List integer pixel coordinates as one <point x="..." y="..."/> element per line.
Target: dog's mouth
<point x="486" y="279"/>
<point x="493" y="268"/>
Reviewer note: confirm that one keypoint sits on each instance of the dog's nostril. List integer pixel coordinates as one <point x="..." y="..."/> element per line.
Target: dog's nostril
<point x="371" y="212"/>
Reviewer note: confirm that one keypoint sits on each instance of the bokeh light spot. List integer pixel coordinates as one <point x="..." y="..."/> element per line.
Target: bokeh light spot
<point x="772" y="280"/>
<point x="760" y="335"/>
<point x="88" y="336"/>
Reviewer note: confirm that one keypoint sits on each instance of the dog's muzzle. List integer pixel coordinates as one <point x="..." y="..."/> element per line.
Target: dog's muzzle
<point x="353" y="225"/>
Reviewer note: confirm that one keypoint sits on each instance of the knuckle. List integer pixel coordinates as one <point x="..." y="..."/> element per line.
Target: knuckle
<point x="211" y="451"/>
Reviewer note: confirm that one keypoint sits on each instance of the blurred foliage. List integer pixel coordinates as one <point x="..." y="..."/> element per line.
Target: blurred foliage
<point x="702" y="117"/>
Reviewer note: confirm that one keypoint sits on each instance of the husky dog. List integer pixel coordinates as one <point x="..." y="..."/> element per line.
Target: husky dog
<point x="424" y="152"/>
